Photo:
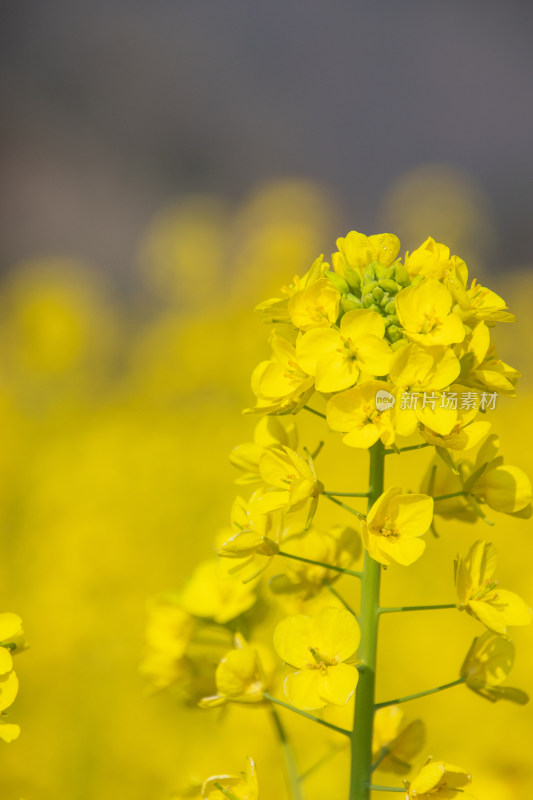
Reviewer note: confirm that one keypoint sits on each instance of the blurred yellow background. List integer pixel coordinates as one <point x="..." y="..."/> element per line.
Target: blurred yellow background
<point x="117" y="418"/>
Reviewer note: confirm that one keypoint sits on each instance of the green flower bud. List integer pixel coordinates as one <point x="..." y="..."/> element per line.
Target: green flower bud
<point x="338" y="282"/>
<point x="353" y="277"/>
<point x="393" y="333"/>
<point x="369" y="274"/>
<point x="393" y="319"/>
<point x="390" y="308"/>
<point x="378" y="294"/>
<point x="401" y="275"/>
<point x="349" y="302"/>
<point x="389" y="286"/>
<point x="387" y="322"/>
<point x="368" y="287"/>
<point x="374" y="307"/>
<point x="368" y="300"/>
<point x="417" y="279"/>
<point x="383" y="273"/>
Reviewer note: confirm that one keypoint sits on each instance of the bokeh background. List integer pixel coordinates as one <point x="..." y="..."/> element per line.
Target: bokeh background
<point x="164" y="167"/>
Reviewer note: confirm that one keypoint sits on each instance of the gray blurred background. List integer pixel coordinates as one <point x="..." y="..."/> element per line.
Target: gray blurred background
<point x="112" y="109"/>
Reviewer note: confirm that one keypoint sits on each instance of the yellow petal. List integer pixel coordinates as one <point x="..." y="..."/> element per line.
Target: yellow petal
<point x="9" y="732"/>
<point x="403" y="551"/>
<point x="315" y="345"/>
<point x="8" y="689"/>
<point x="415" y="514"/>
<point x="338" y="371"/>
<point x="362" y="322"/>
<point x="6" y="661"/>
<point x="302" y="691"/>
<point x="373" y="355"/>
<point x="335" y="633"/>
<point x="337" y="684"/>
<point x="10" y="626"/>
<point x="293" y="640"/>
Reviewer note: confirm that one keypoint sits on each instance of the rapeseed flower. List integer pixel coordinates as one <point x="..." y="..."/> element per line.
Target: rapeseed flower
<point x="393" y="525"/>
<point x="239" y="677"/>
<point x="426" y="315"/>
<point x="11" y="641"/>
<point x="356" y="251"/>
<point x="502" y="487"/>
<point x="479" y="594"/>
<point x="487" y="664"/>
<point x="355" y="413"/>
<point x="437" y="778"/>
<point x="291" y="482"/>
<point x="240" y="787"/>
<point x="269" y="432"/>
<point x="336" y="358"/>
<point x="252" y="540"/>
<point x="321" y="649"/>
<point x="211" y="594"/>
<point x="316" y="306"/>
<point x="395" y="742"/>
<point x="280" y="385"/>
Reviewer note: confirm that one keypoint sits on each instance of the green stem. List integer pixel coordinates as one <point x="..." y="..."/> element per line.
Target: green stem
<point x="383" y="754"/>
<point x="343" y="571"/>
<point x="291" y="770"/>
<point x="346" y="494"/>
<point x="312" y="410"/>
<point x="339" y="596"/>
<point x="343" y="505"/>
<point x="361" y="737"/>
<point x="305" y="714"/>
<point x="386" y="789"/>
<point x="406" y="449"/>
<point x="394" y="609"/>
<point x="449" y="496"/>
<point x="420" y="694"/>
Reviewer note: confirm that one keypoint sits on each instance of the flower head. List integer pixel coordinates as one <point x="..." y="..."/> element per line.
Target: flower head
<point x="393" y="525"/>
<point x="357" y="251"/>
<point x="436" y="778"/>
<point x="239" y="677"/>
<point x="291" y="481"/>
<point x="479" y="594"/>
<point x="394" y="742"/>
<point x="319" y="648"/>
<point x="252" y="540"/>
<point x="487" y="664"/>
<point x="211" y="594"/>
<point x="269" y="432"/>
<point x="502" y="487"/>
<point x="355" y="413"/>
<point x="280" y="385"/>
<point x="425" y="314"/>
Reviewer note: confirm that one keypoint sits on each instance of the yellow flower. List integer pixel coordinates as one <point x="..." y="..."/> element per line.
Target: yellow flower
<point x="425" y="314"/>
<point x="336" y="357"/>
<point x="480" y="366"/>
<point x="440" y="480"/>
<point x="240" y="787"/>
<point x="358" y="251"/>
<point x="433" y="260"/>
<point x="280" y="385"/>
<point x="315" y="306"/>
<point x="212" y="595"/>
<point x="479" y="303"/>
<point x="487" y="664"/>
<point x="438" y="778"/>
<point x="276" y="309"/>
<point x="504" y="488"/>
<point x="453" y="429"/>
<point x="339" y="545"/>
<point x="252" y="540"/>
<point x="239" y="677"/>
<point x="319" y="648"/>
<point x="416" y="369"/>
<point x="478" y="593"/>
<point x="291" y="480"/>
<point x="355" y="413"/>
<point x="395" y="740"/>
<point x="269" y="432"/>
<point x="11" y="641"/>
<point x="393" y="525"/>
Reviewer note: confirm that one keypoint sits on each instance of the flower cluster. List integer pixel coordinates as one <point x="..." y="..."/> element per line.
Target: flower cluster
<point x="267" y="617"/>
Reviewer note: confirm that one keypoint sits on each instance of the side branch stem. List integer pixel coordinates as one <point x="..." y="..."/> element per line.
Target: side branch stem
<point x="305" y="714"/>
<point x="291" y="769"/>
<point x="395" y="609"/>
<point x="342" y="570"/>
<point x="420" y="694"/>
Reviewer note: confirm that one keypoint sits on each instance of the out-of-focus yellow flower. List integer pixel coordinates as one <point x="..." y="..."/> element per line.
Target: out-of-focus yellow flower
<point x="276" y="309"/>
<point x="504" y="488"/>
<point x="336" y="357"/>
<point x="487" y="664"/>
<point x="280" y="385"/>
<point x="438" y="778"/>
<point x="394" y="742"/>
<point x="480" y="366"/>
<point x="239" y="677"/>
<point x="354" y="412"/>
<point x="212" y="595"/>
<point x="291" y="480"/>
<point x="319" y="648"/>
<point x="252" y="540"/>
<point x="439" y="480"/>
<point x="240" y="787"/>
<point x="479" y="594"/>
<point x="425" y="314"/>
<point x="269" y="432"/>
<point x="11" y="640"/>
<point x="316" y="306"/>
<point x="393" y="525"/>
<point x="339" y="545"/>
<point x="357" y="251"/>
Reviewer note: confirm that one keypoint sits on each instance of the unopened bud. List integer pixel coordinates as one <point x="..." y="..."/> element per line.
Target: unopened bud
<point x="401" y="275"/>
<point x="390" y="308"/>
<point x="349" y="302"/>
<point x="393" y="333"/>
<point x="378" y="294"/>
<point x="337" y="281"/>
<point x="368" y="287"/>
